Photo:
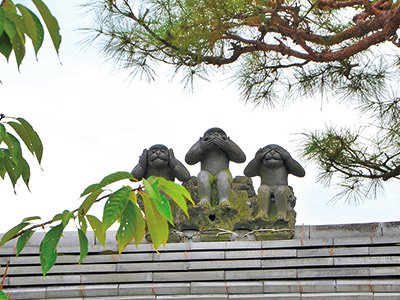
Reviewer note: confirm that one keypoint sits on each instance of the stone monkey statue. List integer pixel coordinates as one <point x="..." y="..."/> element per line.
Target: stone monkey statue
<point x="273" y="164"/>
<point x="214" y="151"/>
<point x="160" y="161"/>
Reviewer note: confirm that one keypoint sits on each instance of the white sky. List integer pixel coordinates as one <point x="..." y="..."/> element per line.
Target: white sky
<point x="94" y="121"/>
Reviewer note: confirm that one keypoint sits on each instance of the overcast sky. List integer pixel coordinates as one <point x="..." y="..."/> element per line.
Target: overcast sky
<point x="94" y="121"/>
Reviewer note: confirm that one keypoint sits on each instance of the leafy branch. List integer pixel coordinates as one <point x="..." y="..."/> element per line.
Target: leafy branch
<point x="12" y="161"/>
<point x="18" y="22"/>
<point x="121" y="206"/>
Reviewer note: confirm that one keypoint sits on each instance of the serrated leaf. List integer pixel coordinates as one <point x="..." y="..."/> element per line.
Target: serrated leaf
<point x="34" y="137"/>
<point x="5" y="45"/>
<point x="33" y="27"/>
<point x="22" y="240"/>
<point x="28" y="219"/>
<point x="51" y="23"/>
<point x="157" y="225"/>
<point x="97" y="227"/>
<point x="83" y="245"/>
<point x="3" y="296"/>
<point x="48" y="248"/>
<point x="115" y="206"/>
<point x="12" y="232"/>
<point x="161" y="203"/>
<point x="126" y="230"/>
<point x="87" y="204"/>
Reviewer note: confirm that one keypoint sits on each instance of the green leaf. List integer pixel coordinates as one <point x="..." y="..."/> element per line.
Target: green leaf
<point x="13" y="144"/>
<point x="34" y="137"/>
<point x="33" y="27"/>
<point x="82" y="223"/>
<point x="115" y="206"/>
<point x="117" y="176"/>
<point x="87" y="204"/>
<point x="25" y="171"/>
<point x="20" y="130"/>
<point x="156" y="224"/>
<point x="51" y="23"/>
<point x="159" y="200"/>
<point x="18" y="43"/>
<point x="5" y="45"/>
<point x="10" y="29"/>
<point x="2" y="168"/>
<point x="140" y="225"/>
<point x="12" y="232"/>
<point x="57" y="217"/>
<point x="3" y="296"/>
<point x="83" y="245"/>
<point x="126" y="230"/>
<point x="173" y="192"/>
<point x="2" y="129"/>
<point x="28" y="219"/>
<point x="89" y="189"/>
<point x="2" y="19"/>
<point x="22" y="240"/>
<point x="133" y="197"/>
<point x="11" y="169"/>
<point x="97" y="227"/>
<point x="48" y="248"/>
<point x="66" y="216"/>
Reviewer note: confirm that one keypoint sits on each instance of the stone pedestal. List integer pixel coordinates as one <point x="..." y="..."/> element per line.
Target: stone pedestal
<point x="237" y="221"/>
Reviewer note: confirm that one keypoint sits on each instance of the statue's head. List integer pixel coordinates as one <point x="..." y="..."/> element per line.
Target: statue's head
<point x="210" y="133"/>
<point x="272" y="158"/>
<point x="158" y="155"/>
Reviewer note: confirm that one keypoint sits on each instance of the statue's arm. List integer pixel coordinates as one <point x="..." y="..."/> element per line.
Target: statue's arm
<point x="233" y="151"/>
<point x="292" y="165"/>
<point x="178" y="168"/>
<point x="139" y="171"/>
<point x="253" y="168"/>
<point x="295" y="168"/>
<point x="195" y="153"/>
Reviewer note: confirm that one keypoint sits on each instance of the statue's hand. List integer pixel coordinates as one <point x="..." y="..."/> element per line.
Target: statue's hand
<point x="172" y="160"/>
<point x="206" y="143"/>
<point x="221" y="142"/>
<point x="283" y="153"/>
<point x="143" y="159"/>
<point x="260" y="154"/>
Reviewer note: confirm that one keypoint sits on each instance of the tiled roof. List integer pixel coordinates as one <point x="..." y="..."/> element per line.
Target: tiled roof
<point x="355" y="261"/>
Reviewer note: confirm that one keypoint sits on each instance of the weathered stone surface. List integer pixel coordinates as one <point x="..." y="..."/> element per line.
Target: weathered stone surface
<point x="26" y="293"/>
<point x="346" y="230"/>
<point x="236" y="221"/>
